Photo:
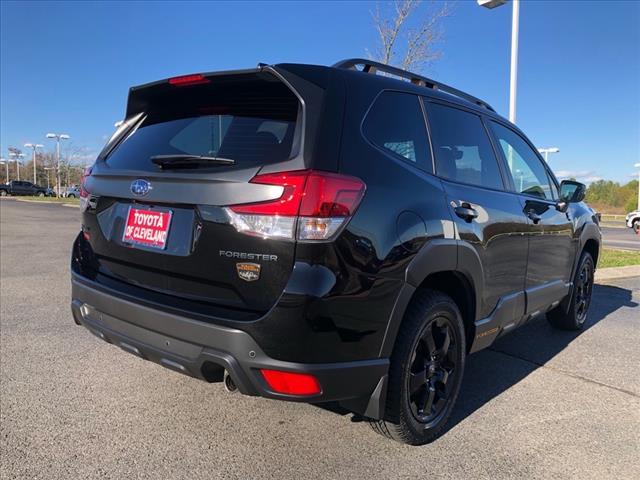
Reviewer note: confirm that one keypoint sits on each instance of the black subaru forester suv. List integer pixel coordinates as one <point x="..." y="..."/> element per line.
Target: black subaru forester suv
<point x="326" y="235"/>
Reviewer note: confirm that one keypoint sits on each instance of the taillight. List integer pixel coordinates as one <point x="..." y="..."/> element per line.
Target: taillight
<point x="184" y="80"/>
<point x="313" y="206"/>
<point x="83" y="191"/>
<point x="84" y="194"/>
<point x="291" y="383"/>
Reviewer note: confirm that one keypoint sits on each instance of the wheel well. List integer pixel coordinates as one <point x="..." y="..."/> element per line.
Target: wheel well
<point x="591" y="246"/>
<point x="458" y="287"/>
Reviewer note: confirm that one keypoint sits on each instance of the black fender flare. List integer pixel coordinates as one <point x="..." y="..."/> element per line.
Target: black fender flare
<point x="590" y="231"/>
<point x="437" y="255"/>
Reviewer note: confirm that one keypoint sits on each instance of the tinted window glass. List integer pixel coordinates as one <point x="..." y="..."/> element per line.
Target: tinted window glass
<point x="554" y="188"/>
<point x="395" y="124"/>
<point x="252" y="123"/>
<point x="462" y="148"/>
<point x="528" y="173"/>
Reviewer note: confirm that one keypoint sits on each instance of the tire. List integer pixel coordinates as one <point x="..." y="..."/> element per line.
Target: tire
<point x="573" y="318"/>
<point x="425" y="370"/>
<point x="41" y="194"/>
<point x="636" y="225"/>
<point x="71" y="195"/>
<point x="3" y="193"/>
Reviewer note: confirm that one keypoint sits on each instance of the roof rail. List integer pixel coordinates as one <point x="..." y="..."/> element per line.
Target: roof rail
<point x="370" y="66"/>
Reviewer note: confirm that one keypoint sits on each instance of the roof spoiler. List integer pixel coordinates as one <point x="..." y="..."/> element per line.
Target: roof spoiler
<point x="140" y="96"/>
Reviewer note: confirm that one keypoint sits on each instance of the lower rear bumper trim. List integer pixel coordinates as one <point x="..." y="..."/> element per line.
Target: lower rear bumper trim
<point x="204" y="351"/>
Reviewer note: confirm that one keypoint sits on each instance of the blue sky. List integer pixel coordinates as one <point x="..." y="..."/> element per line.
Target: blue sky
<point x="67" y="66"/>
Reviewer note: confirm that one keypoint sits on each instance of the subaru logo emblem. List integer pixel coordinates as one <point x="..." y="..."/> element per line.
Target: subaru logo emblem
<point x="140" y="187"/>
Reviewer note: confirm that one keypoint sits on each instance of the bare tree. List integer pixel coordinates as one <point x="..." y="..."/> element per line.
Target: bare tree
<point x="410" y="46"/>
<point x="73" y="161"/>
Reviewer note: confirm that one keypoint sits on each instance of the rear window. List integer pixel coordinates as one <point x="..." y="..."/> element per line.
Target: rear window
<point x="250" y="122"/>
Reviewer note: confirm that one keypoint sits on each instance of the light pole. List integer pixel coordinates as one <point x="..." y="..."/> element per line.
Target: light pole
<point x="15" y="156"/>
<point x="547" y="151"/>
<point x="34" y="147"/>
<point x="58" y="137"/>
<point x="637" y="165"/>
<point x="48" y="169"/>
<point x="513" y="77"/>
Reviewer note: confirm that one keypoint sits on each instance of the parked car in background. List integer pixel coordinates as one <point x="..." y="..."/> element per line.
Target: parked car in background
<point x="72" y="192"/>
<point x="19" y="187"/>
<point x="633" y="220"/>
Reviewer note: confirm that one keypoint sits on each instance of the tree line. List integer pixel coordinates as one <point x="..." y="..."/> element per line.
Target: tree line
<point x="607" y="196"/>
<point x="71" y="167"/>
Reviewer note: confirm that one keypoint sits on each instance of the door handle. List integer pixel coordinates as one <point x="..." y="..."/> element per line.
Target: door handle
<point x="465" y="212"/>
<point x="533" y="216"/>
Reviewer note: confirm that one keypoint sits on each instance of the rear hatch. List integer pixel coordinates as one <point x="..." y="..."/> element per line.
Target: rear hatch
<point x="157" y="215"/>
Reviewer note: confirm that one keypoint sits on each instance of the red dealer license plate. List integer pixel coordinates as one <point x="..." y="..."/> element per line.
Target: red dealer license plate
<point x="147" y="227"/>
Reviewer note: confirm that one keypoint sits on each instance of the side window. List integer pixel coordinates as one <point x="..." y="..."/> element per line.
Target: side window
<point x="396" y="125"/>
<point x="528" y="173"/>
<point x="462" y="148"/>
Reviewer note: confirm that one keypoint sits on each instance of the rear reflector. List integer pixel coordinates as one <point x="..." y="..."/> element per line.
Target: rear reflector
<point x="320" y="203"/>
<point x="291" y="383"/>
<point x="183" y="81"/>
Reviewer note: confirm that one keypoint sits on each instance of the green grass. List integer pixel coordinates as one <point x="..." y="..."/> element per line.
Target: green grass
<point x="51" y="199"/>
<point x="618" y="258"/>
<point x="606" y="217"/>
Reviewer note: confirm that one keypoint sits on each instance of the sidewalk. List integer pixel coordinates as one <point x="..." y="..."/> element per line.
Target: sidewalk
<point x="612" y="273"/>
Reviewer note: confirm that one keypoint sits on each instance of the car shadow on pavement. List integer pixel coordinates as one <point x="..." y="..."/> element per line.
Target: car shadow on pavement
<point x="511" y="358"/>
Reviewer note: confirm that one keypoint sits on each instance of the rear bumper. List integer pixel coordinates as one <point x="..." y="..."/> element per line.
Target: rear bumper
<point x="204" y="351"/>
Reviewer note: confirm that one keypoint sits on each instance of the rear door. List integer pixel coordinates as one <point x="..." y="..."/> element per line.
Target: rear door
<point x="166" y="228"/>
<point x="23" y="188"/>
<point x="489" y="220"/>
<point x="552" y="245"/>
<point x="29" y="188"/>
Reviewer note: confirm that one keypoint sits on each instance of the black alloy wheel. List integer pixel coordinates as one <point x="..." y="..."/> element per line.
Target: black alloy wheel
<point x="571" y="314"/>
<point x="584" y="288"/>
<point x="425" y="371"/>
<point x="433" y="368"/>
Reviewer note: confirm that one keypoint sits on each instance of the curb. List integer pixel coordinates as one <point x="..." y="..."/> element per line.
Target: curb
<point x="33" y="201"/>
<point x="46" y="202"/>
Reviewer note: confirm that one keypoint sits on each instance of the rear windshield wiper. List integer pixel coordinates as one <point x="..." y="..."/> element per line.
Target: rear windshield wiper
<point x="186" y="161"/>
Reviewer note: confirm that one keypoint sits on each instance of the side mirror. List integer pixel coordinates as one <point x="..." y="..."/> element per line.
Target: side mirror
<point x="570" y="192"/>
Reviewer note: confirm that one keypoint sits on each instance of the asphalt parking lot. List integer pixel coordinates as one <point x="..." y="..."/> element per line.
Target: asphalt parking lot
<point x="539" y="404"/>
<point x="620" y="237"/>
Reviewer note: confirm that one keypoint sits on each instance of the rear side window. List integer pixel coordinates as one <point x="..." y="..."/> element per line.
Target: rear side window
<point x="395" y="124"/>
<point x="529" y="175"/>
<point x="252" y="123"/>
<point x="462" y="148"/>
